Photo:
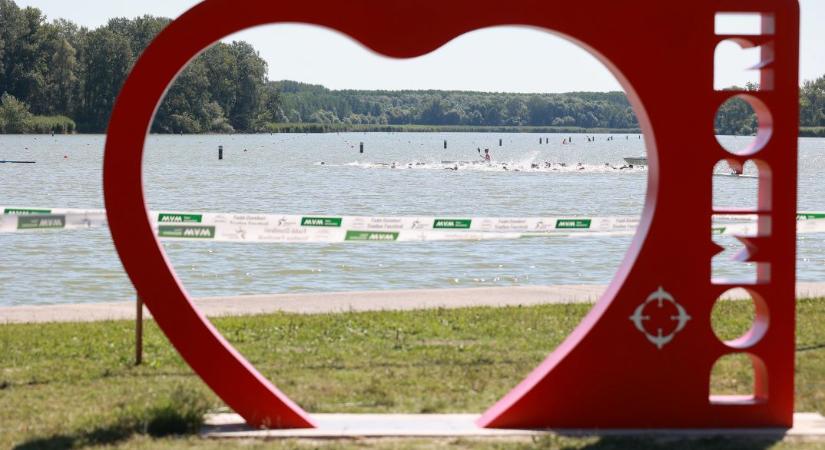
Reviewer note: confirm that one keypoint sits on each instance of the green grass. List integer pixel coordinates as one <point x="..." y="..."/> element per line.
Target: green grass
<point x="74" y="385"/>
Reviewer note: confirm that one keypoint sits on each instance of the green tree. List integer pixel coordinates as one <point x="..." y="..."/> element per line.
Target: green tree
<point x="812" y="103"/>
<point x="251" y="76"/>
<point x="184" y="109"/>
<point x="61" y="78"/>
<point x="14" y="115"/>
<point x="24" y="57"/>
<point x="139" y="31"/>
<point x="108" y="60"/>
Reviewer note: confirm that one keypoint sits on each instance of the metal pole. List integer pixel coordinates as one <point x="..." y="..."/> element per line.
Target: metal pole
<point x="139" y="332"/>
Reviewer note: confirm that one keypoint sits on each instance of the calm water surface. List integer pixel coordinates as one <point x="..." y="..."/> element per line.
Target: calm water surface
<point x="283" y="174"/>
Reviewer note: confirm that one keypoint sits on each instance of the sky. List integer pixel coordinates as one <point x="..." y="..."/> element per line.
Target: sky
<point x="483" y="60"/>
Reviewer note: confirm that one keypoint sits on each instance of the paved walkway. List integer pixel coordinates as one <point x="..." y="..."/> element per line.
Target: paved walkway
<point x="807" y="427"/>
<point x="319" y="303"/>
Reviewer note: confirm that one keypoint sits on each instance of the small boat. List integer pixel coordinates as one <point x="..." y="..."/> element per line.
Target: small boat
<point x="636" y="160"/>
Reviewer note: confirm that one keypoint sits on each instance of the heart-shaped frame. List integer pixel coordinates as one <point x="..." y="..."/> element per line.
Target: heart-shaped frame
<point x="611" y="371"/>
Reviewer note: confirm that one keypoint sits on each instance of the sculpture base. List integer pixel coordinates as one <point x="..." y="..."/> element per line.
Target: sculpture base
<point x="807" y="426"/>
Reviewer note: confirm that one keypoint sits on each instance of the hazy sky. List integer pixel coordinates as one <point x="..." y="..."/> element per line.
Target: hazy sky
<point x="483" y="60"/>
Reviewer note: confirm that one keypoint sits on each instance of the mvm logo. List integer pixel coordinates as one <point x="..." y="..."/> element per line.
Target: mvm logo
<point x="810" y="216"/>
<point x="371" y="236"/>
<point x="562" y="224"/>
<point x="184" y="232"/>
<point x="452" y="223"/>
<point x="320" y="221"/>
<point x="180" y="218"/>
<point x="41" y="222"/>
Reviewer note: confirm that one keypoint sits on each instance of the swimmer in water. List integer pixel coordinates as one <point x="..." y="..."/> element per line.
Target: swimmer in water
<point x="487" y="156"/>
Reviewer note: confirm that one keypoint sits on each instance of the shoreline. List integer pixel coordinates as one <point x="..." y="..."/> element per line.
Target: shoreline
<point x="320" y="128"/>
<point x="340" y="302"/>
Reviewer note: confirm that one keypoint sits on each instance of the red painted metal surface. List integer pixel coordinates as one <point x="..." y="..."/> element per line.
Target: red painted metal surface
<point x="643" y="356"/>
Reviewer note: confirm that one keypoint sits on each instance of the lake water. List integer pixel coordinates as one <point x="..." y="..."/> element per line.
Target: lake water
<point x="283" y="174"/>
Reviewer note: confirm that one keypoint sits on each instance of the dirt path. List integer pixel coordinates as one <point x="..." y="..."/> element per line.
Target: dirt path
<point x="319" y="303"/>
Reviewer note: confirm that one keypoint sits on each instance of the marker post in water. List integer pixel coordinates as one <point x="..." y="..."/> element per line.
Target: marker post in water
<point x="220" y="152"/>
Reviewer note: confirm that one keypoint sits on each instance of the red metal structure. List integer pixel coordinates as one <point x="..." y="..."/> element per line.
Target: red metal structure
<point x="643" y="356"/>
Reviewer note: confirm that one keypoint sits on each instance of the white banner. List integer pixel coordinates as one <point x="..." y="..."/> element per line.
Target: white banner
<point x="230" y="227"/>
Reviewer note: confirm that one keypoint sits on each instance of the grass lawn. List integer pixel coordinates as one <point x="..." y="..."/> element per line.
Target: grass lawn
<point x="73" y="385"/>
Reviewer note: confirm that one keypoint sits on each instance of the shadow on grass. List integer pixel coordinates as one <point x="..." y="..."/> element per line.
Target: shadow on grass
<point x="98" y="436"/>
<point x="178" y="414"/>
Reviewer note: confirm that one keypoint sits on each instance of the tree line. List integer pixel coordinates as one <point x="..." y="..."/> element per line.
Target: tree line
<point x="305" y="103"/>
<point x="57" y="74"/>
<point x="58" y="77"/>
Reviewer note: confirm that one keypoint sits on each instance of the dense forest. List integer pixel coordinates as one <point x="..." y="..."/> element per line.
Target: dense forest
<point x="315" y="104"/>
<point x="58" y="77"/>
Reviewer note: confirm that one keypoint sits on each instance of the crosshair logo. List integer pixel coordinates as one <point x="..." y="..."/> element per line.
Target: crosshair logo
<point x="660" y="317"/>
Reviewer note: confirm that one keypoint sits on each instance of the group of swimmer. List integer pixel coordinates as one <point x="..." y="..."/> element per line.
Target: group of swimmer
<point x="545" y="165"/>
<point x="487" y="157"/>
<point x="579" y="166"/>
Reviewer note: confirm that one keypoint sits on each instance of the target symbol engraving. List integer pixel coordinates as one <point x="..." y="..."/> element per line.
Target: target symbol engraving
<point x="642" y="317"/>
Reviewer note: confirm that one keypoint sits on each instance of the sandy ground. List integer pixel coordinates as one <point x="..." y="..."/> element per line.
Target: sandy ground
<point x="319" y="303"/>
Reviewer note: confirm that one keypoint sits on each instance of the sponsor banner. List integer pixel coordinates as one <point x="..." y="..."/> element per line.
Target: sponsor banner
<point x="230" y="227"/>
<point x="461" y="224"/>
<point x="321" y="222"/>
<point x="179" y="218"/>
<point x="353" y="235"/>
<point x="186" y="232"/>
<point x="41" y="221"/>
<point x="565" y="224"/>
<point x="29" y="219"/>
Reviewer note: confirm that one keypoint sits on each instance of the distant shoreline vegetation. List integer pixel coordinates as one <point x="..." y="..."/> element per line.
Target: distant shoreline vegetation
<point x="57" y="77"/>
<point x="350" y="128"/>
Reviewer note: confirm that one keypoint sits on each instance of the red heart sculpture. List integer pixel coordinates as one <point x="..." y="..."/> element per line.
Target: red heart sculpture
<point x="617" y="369"/>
